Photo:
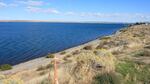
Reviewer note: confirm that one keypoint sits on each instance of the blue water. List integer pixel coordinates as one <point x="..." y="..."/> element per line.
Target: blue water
<point x="23" y="41"/>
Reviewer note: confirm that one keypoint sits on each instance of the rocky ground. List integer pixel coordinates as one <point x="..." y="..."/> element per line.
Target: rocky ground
<point x="122" y="58"/>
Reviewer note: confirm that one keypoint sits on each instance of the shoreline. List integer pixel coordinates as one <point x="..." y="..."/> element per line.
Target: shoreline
<point x="41" y="61"/>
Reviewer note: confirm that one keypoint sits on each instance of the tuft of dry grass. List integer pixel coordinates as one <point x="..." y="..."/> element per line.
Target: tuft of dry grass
<point x="50" y="56"/>
<point x="11" y="80"/>
<point x="88" y="47"/>
<point x="63" y="52"/>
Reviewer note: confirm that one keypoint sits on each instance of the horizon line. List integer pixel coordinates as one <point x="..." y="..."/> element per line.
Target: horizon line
<point x="63" y="21"/>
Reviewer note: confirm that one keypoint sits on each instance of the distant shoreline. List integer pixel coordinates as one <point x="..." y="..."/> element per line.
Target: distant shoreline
<point x="101" y="22"/>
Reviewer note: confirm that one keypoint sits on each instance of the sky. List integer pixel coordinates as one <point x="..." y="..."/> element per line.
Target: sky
<point x="76" y="10"/>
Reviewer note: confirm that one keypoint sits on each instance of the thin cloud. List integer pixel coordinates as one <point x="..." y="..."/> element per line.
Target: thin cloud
<point x="2" y="4"/>
<point x="70" y="13"/>
<point x="42" y="10"/>
<point x="112" y="15"/>
<point x="31" y="3"/>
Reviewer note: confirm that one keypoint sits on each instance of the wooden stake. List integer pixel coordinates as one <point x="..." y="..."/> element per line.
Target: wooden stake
<point x="55" y="71"/>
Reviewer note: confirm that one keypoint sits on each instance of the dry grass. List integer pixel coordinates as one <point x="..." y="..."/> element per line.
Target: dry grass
<point x="85" y="66"/>
<point x="10" y="80"/>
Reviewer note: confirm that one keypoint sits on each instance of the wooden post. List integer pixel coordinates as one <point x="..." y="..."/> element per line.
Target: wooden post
<point x="55" y="71"/>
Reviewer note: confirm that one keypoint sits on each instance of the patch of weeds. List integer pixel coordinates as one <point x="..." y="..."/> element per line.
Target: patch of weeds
<point x="89" y="47"/>
<point x="68" y="61"/>
<point x="139" y="53"/>
<point x="100" y="46"/>
<point x="126" y="67"/>
<point x="107" y="78"/>
<point x="116" y="52"/>
<point x="46" y="81"/>
<point x="134" y="73"/>
<point x="42" y="73"/>
<point x="143" y="52"/>
<point x="68" y="56"/>
<point x="95" y="52"/>
<point x="63" y="52"/>
<point x="123" y="30"/>
<point x="103" y="45"/>
<point x="65" y="59"/>
<point x="75" y="52"/>
<point x="5" y="67"/>
<point x="147" y="47"/>
<point x="41" y="68"/>
<point x="49" y="66"/>
<point x="105" y="38"/>
<point x="50" y="56"/>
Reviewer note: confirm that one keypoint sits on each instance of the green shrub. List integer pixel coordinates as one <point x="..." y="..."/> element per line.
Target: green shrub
<point x="5" y="67"/>
<point x="133" y="72"/>
<point x="63" y="52"/>
<point x="89" y="47"/>
<point x="50" y="56"/>
<point x="126" y="67"/>
<point x="105" y="38"/>
<point x="107" y="78"/>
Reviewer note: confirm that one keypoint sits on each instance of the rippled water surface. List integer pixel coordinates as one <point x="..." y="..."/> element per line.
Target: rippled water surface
<point x="22" y="41"/>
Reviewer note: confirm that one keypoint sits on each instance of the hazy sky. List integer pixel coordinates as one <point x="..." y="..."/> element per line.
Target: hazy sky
<point x="76" y="10"/>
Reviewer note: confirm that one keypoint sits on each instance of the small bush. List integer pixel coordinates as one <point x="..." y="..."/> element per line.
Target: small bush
<point x="49" y="66"/>
<point x="107" y="78"/>
<point x="123" y="30"/>
<point x="116" y="52"/>
<point x="5" y="67"/>
<point x="142" y="53"/>
<point x="147" y="47"/>
<point x="41" y="68"/>
<point x="42" y="73"/>
<point x="89" y="47"/>
<point x="68" y="56"/>
<point x="75" y="52"/>
<point x="96" y="52"/>
<point x="50" y="56"/>
<point x="100" y="46"/>
<point x="45" y="81"/>
<point x="105" y="38"/>
<point x="63" y="52"/>
<point x="65" y="59"/>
